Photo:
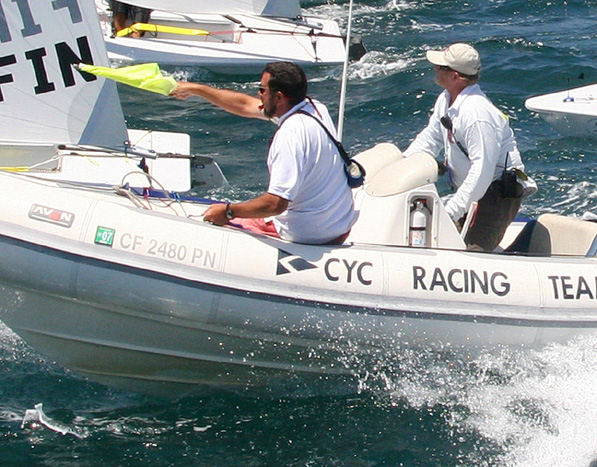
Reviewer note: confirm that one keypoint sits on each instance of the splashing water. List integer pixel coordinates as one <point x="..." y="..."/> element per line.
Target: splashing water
<point x="36" y="417"/>
<point x="535" y="406"/>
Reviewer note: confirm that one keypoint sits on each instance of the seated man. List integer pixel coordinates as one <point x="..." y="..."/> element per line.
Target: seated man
<point x="123" y="11"/>
<point x="308" y="197"/>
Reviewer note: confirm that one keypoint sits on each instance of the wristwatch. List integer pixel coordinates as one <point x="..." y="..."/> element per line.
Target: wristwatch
<point x="229" y="214"/>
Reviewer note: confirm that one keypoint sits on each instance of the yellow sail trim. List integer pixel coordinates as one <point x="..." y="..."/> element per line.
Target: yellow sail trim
<point x="146" y="27"/>
<point x="146" y="76"/>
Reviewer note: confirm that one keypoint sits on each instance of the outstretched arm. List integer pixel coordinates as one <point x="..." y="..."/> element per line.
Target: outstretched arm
<point x="234" y="102"/>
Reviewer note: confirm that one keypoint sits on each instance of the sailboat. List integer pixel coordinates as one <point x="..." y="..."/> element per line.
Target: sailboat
<point x="572" y="112"/>
<point x="64" y="125"/>
<point x="230" y="37"/>
<point x="125" y="284"/>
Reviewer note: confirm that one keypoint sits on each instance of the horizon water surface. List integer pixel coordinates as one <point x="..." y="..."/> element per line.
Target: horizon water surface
<point x="512" y="407"/>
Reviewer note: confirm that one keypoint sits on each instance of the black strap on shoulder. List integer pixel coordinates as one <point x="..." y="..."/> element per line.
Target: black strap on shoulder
<point x="337" y="143"/>
<point x="446" y="122"/>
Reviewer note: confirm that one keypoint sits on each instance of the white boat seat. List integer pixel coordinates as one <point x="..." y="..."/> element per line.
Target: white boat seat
<point x="553" y="234"/>
<point x="403" y="175"/>
<point x="377" y="157"/>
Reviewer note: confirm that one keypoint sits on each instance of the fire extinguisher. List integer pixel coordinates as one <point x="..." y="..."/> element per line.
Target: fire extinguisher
<point x="419" y="218"/>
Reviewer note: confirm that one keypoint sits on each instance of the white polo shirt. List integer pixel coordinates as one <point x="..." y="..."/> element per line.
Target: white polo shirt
<point x="307" y="170"/>
<point x="483" y="130"/>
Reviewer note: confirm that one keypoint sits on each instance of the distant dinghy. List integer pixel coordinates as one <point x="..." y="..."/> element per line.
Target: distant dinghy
<point x="229" y="37"/>
<point x="572" y="112"/>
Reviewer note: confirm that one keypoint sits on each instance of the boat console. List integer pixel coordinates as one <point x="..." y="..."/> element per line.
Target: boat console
<point x="394" y="188"/>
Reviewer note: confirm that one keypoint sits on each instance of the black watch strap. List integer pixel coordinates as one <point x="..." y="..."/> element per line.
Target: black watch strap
<point x="229" y="214"/>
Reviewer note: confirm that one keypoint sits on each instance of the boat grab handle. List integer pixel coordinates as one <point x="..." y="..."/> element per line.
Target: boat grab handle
<point x="592" y="249"/>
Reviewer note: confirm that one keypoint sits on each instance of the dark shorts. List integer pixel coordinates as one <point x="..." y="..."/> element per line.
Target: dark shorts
<point x="494" y="215"/>
<point x="134" y="13"/>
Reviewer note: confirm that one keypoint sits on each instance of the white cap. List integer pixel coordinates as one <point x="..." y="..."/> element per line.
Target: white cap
<point x="460" y="57"/>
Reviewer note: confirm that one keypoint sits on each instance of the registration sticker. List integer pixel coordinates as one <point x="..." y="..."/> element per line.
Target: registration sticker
<point x="104" y="236"/>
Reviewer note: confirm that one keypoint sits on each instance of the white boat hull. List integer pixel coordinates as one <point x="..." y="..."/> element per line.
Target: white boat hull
<point x="249" y="58"/>
<point x="132" y="288"/>
<point x="571" y="112"/>
<point x="241" y="44"/>
<point x="172" y="302"/>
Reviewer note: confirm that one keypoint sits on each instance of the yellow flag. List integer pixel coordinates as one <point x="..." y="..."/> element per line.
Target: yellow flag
<point x="146" y="76"/>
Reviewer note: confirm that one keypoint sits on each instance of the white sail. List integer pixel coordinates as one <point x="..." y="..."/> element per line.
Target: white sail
<point x="43" y="99"/>
<point x="278" y="8"/>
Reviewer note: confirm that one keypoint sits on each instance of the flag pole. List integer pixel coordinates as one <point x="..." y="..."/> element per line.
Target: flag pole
<point x="344" y="75"/>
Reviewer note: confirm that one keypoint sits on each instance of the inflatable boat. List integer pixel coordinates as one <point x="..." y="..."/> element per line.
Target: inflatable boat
<point x="112" y="272"/>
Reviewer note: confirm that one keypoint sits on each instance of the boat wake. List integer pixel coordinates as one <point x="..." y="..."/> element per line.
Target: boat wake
<point x="582" y="196"/>
<point x="577" y="198"/>
<point x="534" y="407"/>
<point x="375" y="64"/>
<point x="505" y="407"/>
<point x="8" y="339"/>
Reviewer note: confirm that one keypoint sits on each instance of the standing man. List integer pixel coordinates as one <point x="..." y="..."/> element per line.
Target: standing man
<point x="308" y="199"/>
<point x="478" y="146"/>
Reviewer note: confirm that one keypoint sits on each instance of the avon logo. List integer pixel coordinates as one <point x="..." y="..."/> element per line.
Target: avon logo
<point x="55" y="216"/>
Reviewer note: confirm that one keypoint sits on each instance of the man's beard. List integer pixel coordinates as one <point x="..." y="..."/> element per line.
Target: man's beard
<point x="269" y="111"/>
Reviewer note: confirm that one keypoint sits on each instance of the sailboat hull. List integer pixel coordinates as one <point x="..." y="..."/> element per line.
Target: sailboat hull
<point x="572" y="112"/>
<point x="237" y="43"/>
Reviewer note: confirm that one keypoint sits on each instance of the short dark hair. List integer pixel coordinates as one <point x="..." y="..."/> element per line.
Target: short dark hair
<point x="289" y="79"/>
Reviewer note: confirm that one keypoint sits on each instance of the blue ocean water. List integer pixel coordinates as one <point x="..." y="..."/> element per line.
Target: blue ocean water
<point x="530" y="408"/>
